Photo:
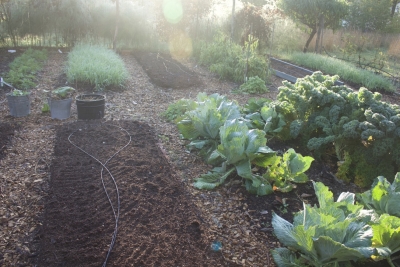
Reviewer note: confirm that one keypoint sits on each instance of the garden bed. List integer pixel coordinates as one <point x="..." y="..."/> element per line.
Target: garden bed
<point x="32" y="203"/>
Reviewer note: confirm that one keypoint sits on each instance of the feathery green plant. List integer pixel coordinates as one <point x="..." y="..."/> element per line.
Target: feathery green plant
<point x="96" y="66"/>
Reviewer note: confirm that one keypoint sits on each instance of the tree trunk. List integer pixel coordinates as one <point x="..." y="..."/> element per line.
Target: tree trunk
<point x="233" y="20"/>
<point x="312" y="34"/>
<point x="318" y="42"/>
<point x="394" y="4"/>
<point x="116" y="25"/>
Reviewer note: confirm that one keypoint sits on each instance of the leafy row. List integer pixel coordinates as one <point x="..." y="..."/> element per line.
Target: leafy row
<point x="227" y="140"/>
<point x="23" y="70"/>
<point x="342" y="231"/>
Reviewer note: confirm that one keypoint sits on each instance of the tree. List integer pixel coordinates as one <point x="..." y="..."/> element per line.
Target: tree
<point x="369" y="15"/>
<point x="310" y="13"/>
<point x="116" y="23"/>
<point x="394" y="6"/>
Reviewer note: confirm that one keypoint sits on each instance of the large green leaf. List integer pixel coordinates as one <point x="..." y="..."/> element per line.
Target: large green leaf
<point x="212" y="179"/>
<point x="324" y="195"/>
<point x="383" y="197"/>
<point x="298" y="163"/>
<point x="329" y="251"/>
<point x="386" y="235"/>
<point x="284" y="257"/>
<point x="283" y="231"/>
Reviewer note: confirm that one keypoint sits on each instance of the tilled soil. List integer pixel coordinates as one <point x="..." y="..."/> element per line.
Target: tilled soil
<point x="158" y="224"/>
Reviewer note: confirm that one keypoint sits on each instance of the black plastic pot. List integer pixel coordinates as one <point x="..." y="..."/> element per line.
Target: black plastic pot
<point x="90" y="106"/>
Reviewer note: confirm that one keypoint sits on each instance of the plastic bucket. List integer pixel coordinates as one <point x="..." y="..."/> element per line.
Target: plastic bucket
<point x="19" y="106"/>
<point x="90" y="106"/>
<point x="60" y="109"/>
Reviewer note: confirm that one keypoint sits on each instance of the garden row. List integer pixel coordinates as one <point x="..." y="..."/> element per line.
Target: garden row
<point x="92" y="66"/>
<point x="359" y="127"/>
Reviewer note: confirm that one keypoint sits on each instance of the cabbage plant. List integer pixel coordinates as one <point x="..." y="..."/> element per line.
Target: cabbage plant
<point x="202" y="124"/>
<point x="383" y="196"/>
<point x="333" y="233"/>
<point x="240" y="147"/>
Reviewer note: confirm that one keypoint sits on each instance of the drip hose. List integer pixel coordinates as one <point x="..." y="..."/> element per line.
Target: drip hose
<point x="115" y="212"/>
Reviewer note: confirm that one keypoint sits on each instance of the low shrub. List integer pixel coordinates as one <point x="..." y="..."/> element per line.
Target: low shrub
<point x="254" y="85"/>
<point x="231" y="62"/>
<point x="97" y="66"/>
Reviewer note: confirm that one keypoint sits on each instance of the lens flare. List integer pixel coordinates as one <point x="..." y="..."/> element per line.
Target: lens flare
<point x="180" y="45"/>
<point x="173" y="10"/>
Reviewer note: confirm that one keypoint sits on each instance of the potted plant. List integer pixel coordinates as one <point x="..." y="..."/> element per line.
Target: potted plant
<point x="60" y="102"/>
<point x="19" y="103"/>
<point x="90" y="106"/>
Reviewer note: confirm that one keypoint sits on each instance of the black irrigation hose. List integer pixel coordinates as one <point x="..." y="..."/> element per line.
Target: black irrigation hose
<point x="116" y="214"/>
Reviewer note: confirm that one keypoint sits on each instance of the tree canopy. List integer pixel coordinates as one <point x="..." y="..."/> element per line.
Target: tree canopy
<point x="309" y="12"/>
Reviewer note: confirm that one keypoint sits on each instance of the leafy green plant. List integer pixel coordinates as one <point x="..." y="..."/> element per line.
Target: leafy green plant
<point x="177" y="109"/>
<point x="229" y="61"/>
<point x="240" y="147"/>
<point x="386" y="238"/>
<point x="202" y="124"/>
<point x="17" y="92"/>
<point x="271" y="117"/>
<point x="254" y="85"/>
<point x="97" y="66"/>
<point x="333" y="233"/>
<point x="359" y="126"/>
<point x="23" y="69"/>
<point x="283" y="171"/>
<point x="63" y="92"/>
<point x="383" y="196"/>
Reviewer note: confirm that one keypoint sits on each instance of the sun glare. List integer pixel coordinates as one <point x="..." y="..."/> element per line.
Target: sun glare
<point x="173" y="10"/>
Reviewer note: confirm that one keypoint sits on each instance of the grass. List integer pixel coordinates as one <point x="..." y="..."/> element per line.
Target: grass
<point x="345" y="70"/>
<point x="97" y="66"/>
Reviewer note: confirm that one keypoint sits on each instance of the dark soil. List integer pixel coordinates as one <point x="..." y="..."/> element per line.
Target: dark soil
<point x="166" y="72"/>
<point x="6" y="134"/>
<point x="158" y="223"/>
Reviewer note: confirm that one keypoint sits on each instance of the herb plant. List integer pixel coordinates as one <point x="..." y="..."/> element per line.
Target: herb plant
<point x="97" y="66"/>
<point x="23" y="70"/>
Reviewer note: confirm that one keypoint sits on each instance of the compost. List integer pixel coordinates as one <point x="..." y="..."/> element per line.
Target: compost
<point x="158" y="224"/>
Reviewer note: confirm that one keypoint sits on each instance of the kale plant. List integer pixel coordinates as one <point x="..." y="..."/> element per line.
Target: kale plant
<point x="363" y="130"/>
